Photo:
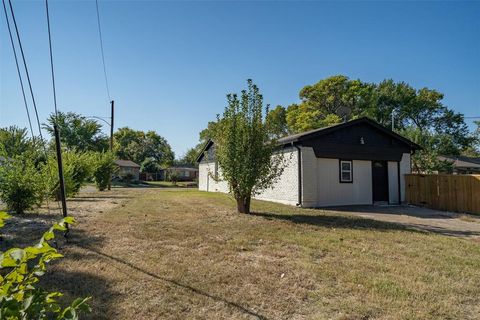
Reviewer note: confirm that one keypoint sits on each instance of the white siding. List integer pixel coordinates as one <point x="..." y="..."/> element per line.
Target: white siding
<point x="309" y="178"/>
<point x="392" y="182"/>
<point x="285" y="190"/>
<point x="405" y="168"/>
<point x="333" y="193"/>
<point x="206" y="181"/>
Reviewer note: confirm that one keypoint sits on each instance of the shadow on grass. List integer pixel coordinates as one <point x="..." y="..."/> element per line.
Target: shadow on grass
<point x="25" y="229"/>
<point x="330" y="221"/>
<point x="74" y="284"/>
<point x="174" y="282"/>
<point x="346" y="222"/>
<point x="80" y="285"/>
<point x="404" y="210"/>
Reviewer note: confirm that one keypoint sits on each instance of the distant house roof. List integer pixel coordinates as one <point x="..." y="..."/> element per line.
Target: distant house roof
<point x="463" y="162"/>
<point x="126" y="163"/>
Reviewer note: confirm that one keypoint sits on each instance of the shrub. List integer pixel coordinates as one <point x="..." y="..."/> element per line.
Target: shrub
<point x="104" y="168"/>
<point x="21" y="184"/>
<point x="173" y="177"/>
<point x="19" y="296"/>
<point x="77" y="170"/>
<point x="129" y="177"/>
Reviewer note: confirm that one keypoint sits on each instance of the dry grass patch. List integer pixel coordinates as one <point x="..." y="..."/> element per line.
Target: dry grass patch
<point x="178" y="254"/>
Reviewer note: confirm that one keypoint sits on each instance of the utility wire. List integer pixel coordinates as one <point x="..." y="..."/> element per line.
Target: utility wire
<point x="26" y="72"/>
<point x="51" y="61"/>
<point x="18" y="70"/>
<point x="101" y="49"/>
<point x="53" y="78"/>
<point x="30" y="87"/>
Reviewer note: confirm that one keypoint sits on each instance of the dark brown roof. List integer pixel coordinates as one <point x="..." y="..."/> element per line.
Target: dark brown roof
<point x="126" y="163"/>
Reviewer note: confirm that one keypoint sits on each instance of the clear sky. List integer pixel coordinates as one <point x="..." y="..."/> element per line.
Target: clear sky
<point x="170" y="64"/>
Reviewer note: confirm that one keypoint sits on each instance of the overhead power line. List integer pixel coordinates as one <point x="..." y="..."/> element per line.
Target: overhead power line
<point x="18" y="70"/>
<point x="51" y="60"/>
<point x="42" y="141"/>
<point x="102" y="51"/>
<point x="26" y="69"/>
<point x="55" y="127"/>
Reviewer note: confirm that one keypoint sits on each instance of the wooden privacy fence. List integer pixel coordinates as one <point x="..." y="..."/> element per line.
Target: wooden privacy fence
<point x="460" y="193"/>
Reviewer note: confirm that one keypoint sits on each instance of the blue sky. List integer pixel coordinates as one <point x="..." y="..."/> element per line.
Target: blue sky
<point x="170" y="64"/>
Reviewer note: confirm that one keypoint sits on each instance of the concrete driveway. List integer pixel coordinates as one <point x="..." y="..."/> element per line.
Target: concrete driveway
<point x="446" y="223"/>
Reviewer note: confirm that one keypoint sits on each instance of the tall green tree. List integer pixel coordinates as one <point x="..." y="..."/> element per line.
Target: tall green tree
<point x="138" y="146"/>
<point x="276" y="121"/>
<point x="14" y="141"/>
<point x="190" y="157"/>
<point x="244" y="149"/>
<point x="474" y="149"/>
<point x="426" y="160"/>
<point x="209" y="132"/>
<point x="334" y="96"/>
<point x="419" y="110"/>
<point x="78" y="132"/>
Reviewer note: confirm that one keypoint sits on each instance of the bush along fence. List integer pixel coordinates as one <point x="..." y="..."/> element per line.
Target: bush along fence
<point x="459" y="193"/>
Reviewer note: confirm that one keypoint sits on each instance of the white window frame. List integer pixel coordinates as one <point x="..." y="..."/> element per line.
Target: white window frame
<point x="342" y="171"/>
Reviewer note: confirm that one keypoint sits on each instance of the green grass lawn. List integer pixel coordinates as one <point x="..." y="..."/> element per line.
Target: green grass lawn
<point x="185" y="254"/>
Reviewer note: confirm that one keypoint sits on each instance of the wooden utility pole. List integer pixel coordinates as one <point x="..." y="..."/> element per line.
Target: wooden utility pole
<point x="63" y="196"/>
<point x="111" y="136"/>
<point x="111" y="127"/>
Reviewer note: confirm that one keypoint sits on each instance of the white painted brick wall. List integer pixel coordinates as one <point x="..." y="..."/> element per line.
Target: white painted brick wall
<point x="206" y="181"/>
<point x="203" y="176"/>
<point x="285" y="190"/>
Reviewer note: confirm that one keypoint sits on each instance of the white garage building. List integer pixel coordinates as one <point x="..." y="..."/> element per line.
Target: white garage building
<point x="354" y="163"/>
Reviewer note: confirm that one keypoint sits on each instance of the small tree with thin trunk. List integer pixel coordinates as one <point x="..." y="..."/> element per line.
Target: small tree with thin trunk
<point x="245" y="153"/>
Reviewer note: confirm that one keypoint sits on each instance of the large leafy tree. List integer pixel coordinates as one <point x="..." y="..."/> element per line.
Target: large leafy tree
<point x="276" y="121"/>
<point x="474" y="149"/>
<point x="138" y="146"/>
<point x="14" y="141"/>
<point x="244" y="149"/>
<point x="426" y="160"/>
<point x="421" y="110"/>
<point x="190" y="157"/>
<point x="209" y="132"/>
<point x="327" y="102"/>
<point x="78" y="132"/>
<point x="414" y="110"/>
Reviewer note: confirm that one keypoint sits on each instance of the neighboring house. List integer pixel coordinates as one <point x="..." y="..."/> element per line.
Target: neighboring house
<point x="183" y="173"/>
<point x="353" y="163"/>
<point x="463" y="165"/>
<point x="128" y="169"/>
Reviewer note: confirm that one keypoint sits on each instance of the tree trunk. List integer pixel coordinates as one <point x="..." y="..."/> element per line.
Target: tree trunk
<point x="243" y="205"/>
